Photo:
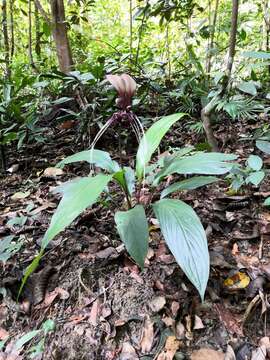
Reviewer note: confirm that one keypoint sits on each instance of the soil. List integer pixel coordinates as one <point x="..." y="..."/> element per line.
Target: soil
<point x="103" y="306"/>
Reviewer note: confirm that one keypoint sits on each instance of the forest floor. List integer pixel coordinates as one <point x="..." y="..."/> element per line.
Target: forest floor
<point x="103" y="306"/>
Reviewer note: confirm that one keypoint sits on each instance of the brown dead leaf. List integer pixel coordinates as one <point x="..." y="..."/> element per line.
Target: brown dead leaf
<point x="230" y="355"/>
<point x="180" y="331"/>
<point x="207" y="354"/>
<point x="51" y="296"/>
<point x="137" y="277"/>
<point x="171" y="346"/>
<point x="94" y="313"/>
<point x="260" y="353"/>
<point x="168" y="321"/>
<point x="147" y="336"/>
<point x="265" y="341"/>
<point x="52" y="172"/>
<point x="175" y="307"/>
<point x="198" y="324"/>
<point x="230" y="320"/>
<point x="128" y="352"/>
<point x="159" y="285"/>
<point x="157" y="303"/>
<point x="3" y="334"/>
<point x="235" y="249"/>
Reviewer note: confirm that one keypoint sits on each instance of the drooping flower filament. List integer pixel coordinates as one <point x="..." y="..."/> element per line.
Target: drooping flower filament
<point x="126" y="88"/>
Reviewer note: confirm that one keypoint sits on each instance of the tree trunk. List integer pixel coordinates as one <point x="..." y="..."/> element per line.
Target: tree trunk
<point x="12" y="46"/>
<point x="37" y="34"/>
<point x="60" y="36"/>
<point x="59" y="29"/>
<point x="212" y="37"/>
<point x="266" y="17"/>
<point x="232" y="38"/>
<point x="30" y="52"/>
<point x="210" y="107"/>
<point x="6" y="40"/>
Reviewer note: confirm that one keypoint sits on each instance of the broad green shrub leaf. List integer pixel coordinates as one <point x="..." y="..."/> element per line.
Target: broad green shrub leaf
<point x="248" y="87"/>
<point x="133" y="230"/>
<point x="255" y="178"/>
<point x="202" y="163"/>
<point x="189" y="184"/>
<point x="99" y="158"/>
<point x="263" y="146"/>
<point x="151" y="141"/>
<point x="255" y="162"/>
<point x="78" y="195"/>
<point x="186" y="239"/>
<point x="267" y="202"/>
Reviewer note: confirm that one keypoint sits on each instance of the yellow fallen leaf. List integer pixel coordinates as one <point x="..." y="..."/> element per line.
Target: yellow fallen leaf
<point x="238" y="281"/>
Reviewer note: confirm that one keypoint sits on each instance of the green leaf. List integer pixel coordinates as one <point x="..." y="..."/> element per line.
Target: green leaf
<point x="151" y="141"/>
<point x="248" y="87"/>
<point x="202" y="163"/>
<point x="62" y="100"/>
<point x="189" y="184"/>
<point x="126" y="179"/>
<point x="100" y="158"/>
<point x="255" y="162"/>
<point x="263" y="146"/>
<point x="25" y="339"/>
<point x="267" y="202"/>
<point x="255" y="178"/>
<point x="133" y="230"/>
<point x="186" y="239"/>
<point x="48" y="325"/>
<point x="257" y="54"/>
<point x="77" y="196"/>
<point x="29" y="270"/>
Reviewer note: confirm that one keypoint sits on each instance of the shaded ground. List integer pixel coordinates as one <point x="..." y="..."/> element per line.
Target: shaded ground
<point x="102" y="305"/>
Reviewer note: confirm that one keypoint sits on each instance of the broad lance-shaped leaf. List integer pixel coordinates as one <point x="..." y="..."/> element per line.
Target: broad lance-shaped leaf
<point x="189" y="184"/>
<point x="151" y="141"/>
<point x="77" y="196"/>
<point x="133" y="230"/>
<point x="186" y="239"/>
<point x="99" y="158"/>
<point x="202" y="163"/>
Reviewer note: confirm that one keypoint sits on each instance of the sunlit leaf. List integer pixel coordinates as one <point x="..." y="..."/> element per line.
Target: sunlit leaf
<point x="248" y="87"/>
<point x="202" y="163"/>
<point x="77" y="196"/>
<point x="99" y="158"/>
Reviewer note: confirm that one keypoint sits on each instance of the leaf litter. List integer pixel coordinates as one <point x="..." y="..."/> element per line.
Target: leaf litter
<point x="127" y="314"/>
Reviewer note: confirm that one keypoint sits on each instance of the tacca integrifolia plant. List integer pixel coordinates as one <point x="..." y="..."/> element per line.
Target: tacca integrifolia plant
<point x="179" y="223"/>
